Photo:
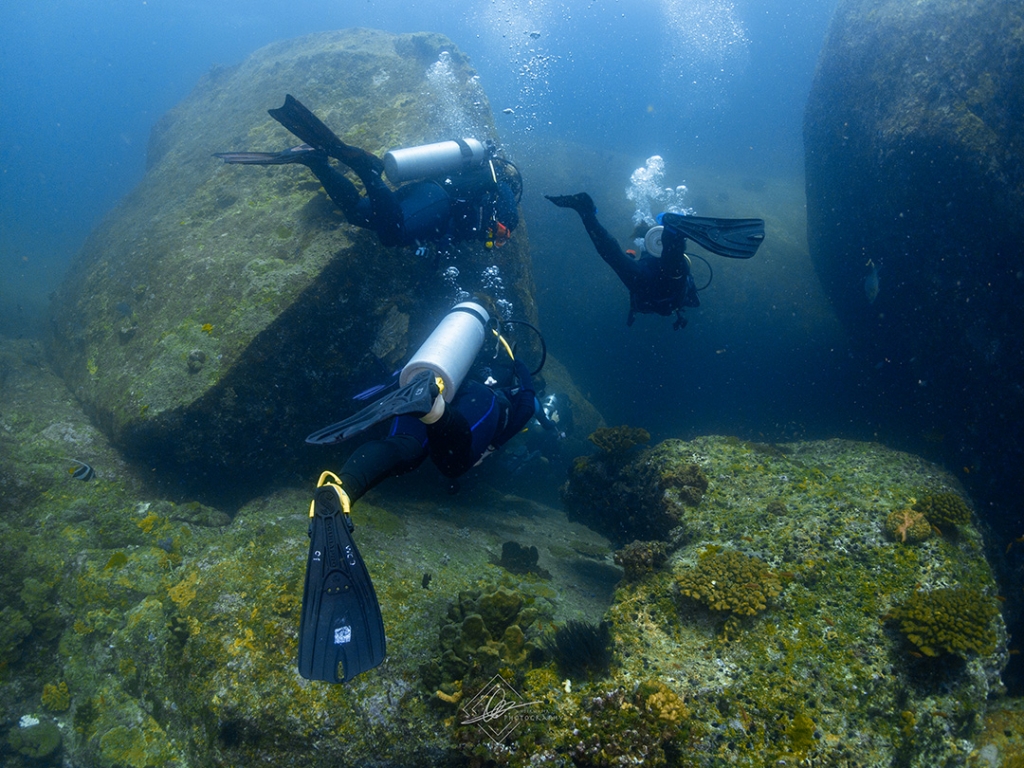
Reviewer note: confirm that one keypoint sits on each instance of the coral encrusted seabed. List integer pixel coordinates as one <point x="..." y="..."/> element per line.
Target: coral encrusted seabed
<point x="781" y="622"/>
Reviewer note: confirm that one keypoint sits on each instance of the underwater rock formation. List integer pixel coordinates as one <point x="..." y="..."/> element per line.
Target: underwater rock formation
<point x="915" y="209"/>
<point x="221" y="313"/>
<point x="147" y="633"/>
<point x="630" y="495"/>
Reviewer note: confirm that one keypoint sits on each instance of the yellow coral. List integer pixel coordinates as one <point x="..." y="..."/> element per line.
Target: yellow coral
<point x="730" y="581"/>
<point x="956" y="620"/>
<point x="56" y="697"/>
<point x="184" y="592"/>
<point x="148" y="522"/>
<point x="667" y="706"/>
<point x="944" y="509"/>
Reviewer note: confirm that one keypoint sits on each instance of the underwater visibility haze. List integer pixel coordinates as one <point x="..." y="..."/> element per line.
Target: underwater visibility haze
<point x="786" y="533"/>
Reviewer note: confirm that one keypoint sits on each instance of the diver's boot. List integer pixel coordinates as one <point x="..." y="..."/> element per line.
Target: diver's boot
<point x="581" y="202"/>
<point x="304" y="154"/>
<point x="297" y="118"/>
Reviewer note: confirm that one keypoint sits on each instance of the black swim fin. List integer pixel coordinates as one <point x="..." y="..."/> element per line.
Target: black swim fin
<point x="415" y="397"/>
<point x="734" y="238"/>
<point x="297" y="118"/>
<point x="341" y="632"/>
<point x="303" y="153"/>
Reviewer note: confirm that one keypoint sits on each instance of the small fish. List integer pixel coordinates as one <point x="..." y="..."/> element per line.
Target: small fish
<point x="508" y="111"/>
<point x="82" y="472"/>
<point x="871" y="282"/>
<point x="534" y="35"/>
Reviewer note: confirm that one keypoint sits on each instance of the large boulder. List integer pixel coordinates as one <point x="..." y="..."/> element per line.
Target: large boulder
<point x="915" y="203"/>
<point x="221" y="313"/>
<point x="800" y="614"/>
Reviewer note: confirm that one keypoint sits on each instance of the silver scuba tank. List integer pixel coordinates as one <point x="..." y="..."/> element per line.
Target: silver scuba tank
<point x="450" y="349"/>
<point x="652" y="240"/>
<point x="433" y="159"/>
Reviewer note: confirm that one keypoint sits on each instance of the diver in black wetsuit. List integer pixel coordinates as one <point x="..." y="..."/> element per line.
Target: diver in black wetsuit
<point x="476" y="197"/>
<point x="660" y="282"/>
<point x="478" y="421"/>
<point x="445" y="408"/>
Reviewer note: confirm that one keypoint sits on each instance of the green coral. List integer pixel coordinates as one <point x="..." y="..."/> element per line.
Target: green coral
<point x="56" y="697"/>
<point x="486" y="631"/>
<point x="35" y="741"/>
<point x="956" y="620"/>
<point x="944" y="509"/>
<point x="14" y="628"/>
<point x="730" y="581"/>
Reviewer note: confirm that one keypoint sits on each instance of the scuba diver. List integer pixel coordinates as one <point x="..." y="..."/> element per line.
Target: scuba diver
<point x="451" y="407"/>
<point x="458" y="190"/>
<point x="660" y="281"/>
<point x="540" y="447"/>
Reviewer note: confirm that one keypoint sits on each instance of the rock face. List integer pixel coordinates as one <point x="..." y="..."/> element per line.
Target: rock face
<point x="221" y="313"/>
<point x="915" y="203"/>
<point x="789" y="624"/>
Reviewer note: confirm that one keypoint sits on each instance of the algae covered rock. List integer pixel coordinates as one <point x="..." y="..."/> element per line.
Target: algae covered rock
<point x="628" y="494"/>
<point x="219" y="313"/>
<point x="816" y="605"/>
<point x="154" y="633"/>
<point x="914" y="167"/>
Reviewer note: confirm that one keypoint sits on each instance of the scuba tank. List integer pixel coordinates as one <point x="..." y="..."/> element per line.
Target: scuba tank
<point x="450" y="349"/>
<point x="434" y="159"/>
<point x="652" y="240"/>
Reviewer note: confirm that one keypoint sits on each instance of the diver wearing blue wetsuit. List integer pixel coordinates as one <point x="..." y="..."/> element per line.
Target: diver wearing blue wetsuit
<point x="476" y="202"/>
<point x="480" y="419"/>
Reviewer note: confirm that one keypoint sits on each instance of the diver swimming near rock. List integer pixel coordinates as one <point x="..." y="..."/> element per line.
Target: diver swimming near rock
<point x="659" y="280"/>
<point x="456" y="190"/>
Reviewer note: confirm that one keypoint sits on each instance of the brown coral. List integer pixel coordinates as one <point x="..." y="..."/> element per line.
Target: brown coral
<point x="689" y="481"/>
<point x="907" y="526"/>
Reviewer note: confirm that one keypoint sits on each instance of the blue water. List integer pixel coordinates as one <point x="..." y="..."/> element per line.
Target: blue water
<point x="707" y="84"/>
<point x="83" y="81"/>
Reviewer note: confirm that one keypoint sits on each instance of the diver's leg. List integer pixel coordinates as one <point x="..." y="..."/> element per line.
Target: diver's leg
<point x="343" y="192"/>
<point x="451" y="443"/>
<point x="378" y="460"/>
<point x="297" y="118"/>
